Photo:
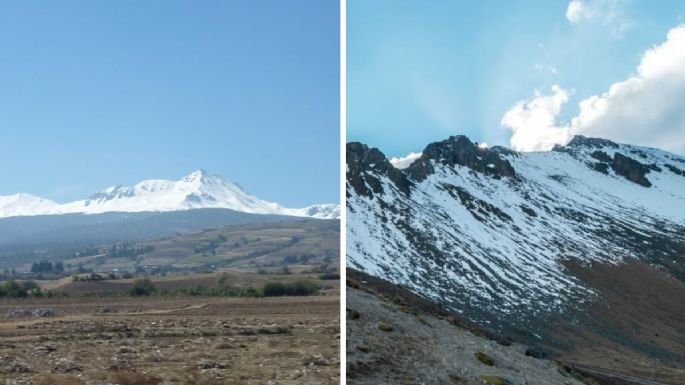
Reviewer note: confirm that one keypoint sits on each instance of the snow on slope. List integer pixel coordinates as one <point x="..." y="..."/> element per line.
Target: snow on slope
<point x="196" y="190"/>
<point x="465" y="229"/>
<point x="24" y="204"/>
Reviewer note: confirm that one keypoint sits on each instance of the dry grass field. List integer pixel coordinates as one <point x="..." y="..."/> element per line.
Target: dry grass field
<point x="172" y="340"/>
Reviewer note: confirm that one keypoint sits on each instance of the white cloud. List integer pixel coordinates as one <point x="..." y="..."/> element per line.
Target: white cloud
<point x="577" y="11"/>
<point x="405" y="161"/>
<point x="545" y="68"/>
<point x="534" y="121"/>
<point x="608" y="13"/>
<point x="645" y="109"/>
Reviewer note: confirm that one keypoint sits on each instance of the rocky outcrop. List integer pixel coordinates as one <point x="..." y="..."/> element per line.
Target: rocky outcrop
<point x="583" y="141"/>
<point x="459" y="150"/>
<point x="366" y="165"/>
<point x="631" y="169"/>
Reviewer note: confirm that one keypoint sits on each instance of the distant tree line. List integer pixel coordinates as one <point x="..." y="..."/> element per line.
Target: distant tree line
<point x="128" y="250"/>
<point x="47" y="267"/>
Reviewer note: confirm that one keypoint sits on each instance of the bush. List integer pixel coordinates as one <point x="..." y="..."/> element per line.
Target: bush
<point x="142" y="286"/>
<point x="13" y="289"/>
<point x="297" y="288"/>
<point x="484" y="358"/>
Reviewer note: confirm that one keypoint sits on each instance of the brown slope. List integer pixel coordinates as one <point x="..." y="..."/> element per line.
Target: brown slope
<point x="636" y="325"/>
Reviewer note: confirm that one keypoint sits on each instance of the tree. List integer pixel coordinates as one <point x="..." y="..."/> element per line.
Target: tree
<point x="13" y="289"/>
<point x="142" y="286"/>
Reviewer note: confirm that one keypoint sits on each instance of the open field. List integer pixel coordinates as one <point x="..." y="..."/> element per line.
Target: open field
<point x="151" y="340"/>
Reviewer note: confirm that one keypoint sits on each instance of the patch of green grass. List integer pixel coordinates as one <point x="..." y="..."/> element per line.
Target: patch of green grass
<point x="493" y="380"/>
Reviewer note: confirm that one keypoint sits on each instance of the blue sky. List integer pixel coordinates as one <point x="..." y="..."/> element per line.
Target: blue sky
<point x="419" y="71"/>
<point x="112" y="92"/>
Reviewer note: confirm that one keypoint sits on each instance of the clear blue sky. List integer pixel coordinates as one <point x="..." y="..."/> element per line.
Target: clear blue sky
<point x="96" y="93"/>
<point x="420" y="71"/>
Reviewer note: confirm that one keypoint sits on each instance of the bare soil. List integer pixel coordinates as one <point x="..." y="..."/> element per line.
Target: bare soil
<point x="394" y="337"/>
<point x="153" y="340"/>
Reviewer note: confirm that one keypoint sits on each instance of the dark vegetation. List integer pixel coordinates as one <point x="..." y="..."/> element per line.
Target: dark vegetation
<point x="47" y="267"/>
<point x="296" y="288"/>
<point x="17" y="289"/>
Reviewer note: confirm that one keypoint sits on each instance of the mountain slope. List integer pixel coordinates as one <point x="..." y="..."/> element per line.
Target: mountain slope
<point x="24" y="204"/>
<point x="489" y="232"/>
<point x="196" y="190"/>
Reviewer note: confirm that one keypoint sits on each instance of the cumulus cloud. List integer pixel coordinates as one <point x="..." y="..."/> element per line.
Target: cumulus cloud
<point x="405" y="161"/>
<point x="533" y="122"/>
<point x="645" y="109"/>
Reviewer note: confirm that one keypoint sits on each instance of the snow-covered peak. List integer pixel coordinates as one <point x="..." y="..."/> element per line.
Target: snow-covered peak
<point x="24" y="204"/>
<point x="195" y="190"/>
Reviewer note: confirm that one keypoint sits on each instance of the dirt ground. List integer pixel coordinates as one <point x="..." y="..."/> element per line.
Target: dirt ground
<point x="286" y="340"/>
<point x="389" y="343"/>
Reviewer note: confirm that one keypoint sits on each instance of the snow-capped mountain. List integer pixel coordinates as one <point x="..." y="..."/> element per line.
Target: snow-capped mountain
<point x="24" y="204"/>
<point x="490" y="232"/>
<point x="194" y="191"/>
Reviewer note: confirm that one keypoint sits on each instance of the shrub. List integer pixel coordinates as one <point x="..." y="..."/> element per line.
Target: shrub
<point x="13" y="289"/>
<point x="484" y="358"/>
<point x="386" y="327"/>
<point x="142" y="286"/>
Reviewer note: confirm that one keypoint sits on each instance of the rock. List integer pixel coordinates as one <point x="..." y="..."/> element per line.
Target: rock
<point x="459" y="150"/>
<point x="316" y="361"/>
<point x="10" y="365"/>
<point x="364" y="167"/>
<point x="535" y="353"/>
<point x="65" y="365"/>
<point x="19" y="313"/>
<point x="44" y="312"/>
<point x="207" y="364"/>
<point x="583" y="141"/>
<point x="45" y="349"/>
<point x="601" y="156"/>
<point x="630" y="169"/>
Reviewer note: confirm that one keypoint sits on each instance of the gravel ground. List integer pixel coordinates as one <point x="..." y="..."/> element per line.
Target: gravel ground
<point x="389" y="343"/>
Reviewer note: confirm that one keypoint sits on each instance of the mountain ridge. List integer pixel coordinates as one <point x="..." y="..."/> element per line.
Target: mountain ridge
<point x="195" y="190"/>
<point x="503" y="237"/>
